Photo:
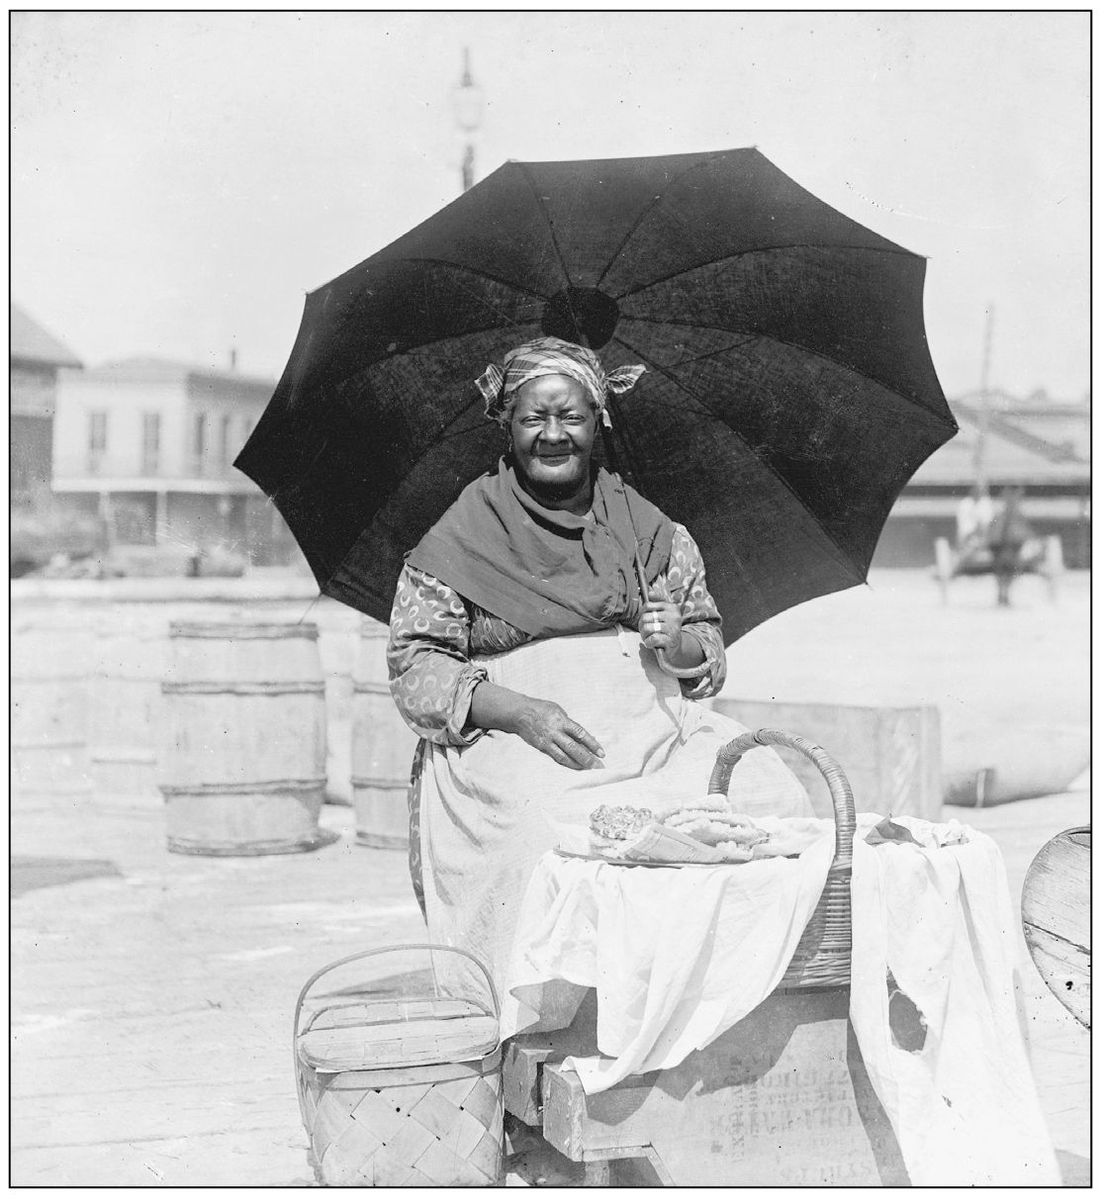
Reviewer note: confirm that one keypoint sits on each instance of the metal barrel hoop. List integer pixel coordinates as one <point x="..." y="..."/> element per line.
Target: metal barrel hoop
<point x="844" y="807"/>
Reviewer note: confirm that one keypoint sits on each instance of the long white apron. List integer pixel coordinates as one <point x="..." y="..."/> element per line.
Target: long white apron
<point x="488" y="811"/>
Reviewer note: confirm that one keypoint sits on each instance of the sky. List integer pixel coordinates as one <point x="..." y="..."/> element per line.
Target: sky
<point x="181" y="180"/>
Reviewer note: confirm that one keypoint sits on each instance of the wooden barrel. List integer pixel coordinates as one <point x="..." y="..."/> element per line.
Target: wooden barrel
<point x="243" y="764"/>
<point x="1055" y="911"/>
<point x="338" y="637"/>
<point x="51" y="660"/>
<point x="383" y="747"/>
<point x="131" y="657"/>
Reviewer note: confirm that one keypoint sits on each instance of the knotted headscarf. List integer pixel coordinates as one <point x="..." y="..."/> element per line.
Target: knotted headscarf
<point x="548" y="356"/>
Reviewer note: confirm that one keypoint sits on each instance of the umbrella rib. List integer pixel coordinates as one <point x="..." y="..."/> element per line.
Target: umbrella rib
<point x="650" y="207"/>
<point x="462" y="267"/>
<point x="548" y="222"/>
<point x="774" y="338"/>
<point x="783" y="246"/>
<point x="837" y="551"/>
<point x="439" y="438"/>
<point x="472" y="293"/>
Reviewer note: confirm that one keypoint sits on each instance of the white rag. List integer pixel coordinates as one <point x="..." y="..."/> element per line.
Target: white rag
<point x="679" y="955"/>
<point x="937" y="916"/>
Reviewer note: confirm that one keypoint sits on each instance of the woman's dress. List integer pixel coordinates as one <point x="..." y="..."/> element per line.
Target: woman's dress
<point x="486" y="805"/>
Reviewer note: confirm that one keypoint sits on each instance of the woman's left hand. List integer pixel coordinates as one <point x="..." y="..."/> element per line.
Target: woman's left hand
<point x="661" y="624"/>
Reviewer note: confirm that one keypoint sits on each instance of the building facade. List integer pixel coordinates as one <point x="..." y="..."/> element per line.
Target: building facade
<point x="149" y="446"/>
<point x="1040" y="445"/>
<point x="35" y="358"/>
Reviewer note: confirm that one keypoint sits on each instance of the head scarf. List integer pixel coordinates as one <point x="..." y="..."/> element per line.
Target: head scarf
<point x="548" y="356"/>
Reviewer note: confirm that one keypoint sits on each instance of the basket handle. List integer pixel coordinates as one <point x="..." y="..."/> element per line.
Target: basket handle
<point x="844" y="807"/>
<point x="367" y="953"/>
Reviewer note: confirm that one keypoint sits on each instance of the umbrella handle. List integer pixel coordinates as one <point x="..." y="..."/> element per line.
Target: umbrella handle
<point x="665" y="664"/>
<point x="668" y="667"/>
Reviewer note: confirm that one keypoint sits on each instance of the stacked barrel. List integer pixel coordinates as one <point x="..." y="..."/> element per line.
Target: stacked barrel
<point x="130" y="657"/>
<point x="383" y="747"/>
<point x="243" y="762"/>
<point x="51" y="663"/>
<point x="236" y="727"/>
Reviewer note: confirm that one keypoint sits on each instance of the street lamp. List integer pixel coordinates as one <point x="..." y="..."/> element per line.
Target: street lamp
<point x="981" y="483"/>
<point x="468" y="111"/>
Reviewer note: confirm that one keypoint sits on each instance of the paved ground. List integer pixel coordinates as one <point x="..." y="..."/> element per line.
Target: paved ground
<point x="152" y="1002"/>
<point x="152" y="1005"/>
<point x="152" y="993"/>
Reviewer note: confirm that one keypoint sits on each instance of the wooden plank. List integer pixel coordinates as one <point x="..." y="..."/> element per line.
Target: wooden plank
<point x="1055" y="910"/>
<point x="522" y="1061"/>
<point x="238" y="1156"/>
<point x="890" y="754"/>
<point x="144" y="1115"/>
<point x="780" y="1099"/>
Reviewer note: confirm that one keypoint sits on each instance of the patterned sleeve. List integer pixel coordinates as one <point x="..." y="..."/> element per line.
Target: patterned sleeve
<point x="686" y="579"/>
<point x="430" y="674"/>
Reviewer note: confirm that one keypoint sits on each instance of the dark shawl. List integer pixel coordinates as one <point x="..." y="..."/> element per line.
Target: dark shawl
<point x="547" y="572"/>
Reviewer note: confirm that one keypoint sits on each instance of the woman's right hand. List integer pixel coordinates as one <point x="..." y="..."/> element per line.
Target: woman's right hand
<point x="548" y="728"/>
<point x="542" y="724"/>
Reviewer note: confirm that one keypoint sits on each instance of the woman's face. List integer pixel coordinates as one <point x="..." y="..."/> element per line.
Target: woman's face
<point x="552" y="431"/>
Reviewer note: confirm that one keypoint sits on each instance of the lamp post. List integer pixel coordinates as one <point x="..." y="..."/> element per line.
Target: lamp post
<point x="981" y="482"/>
<point x="468" y="111"/>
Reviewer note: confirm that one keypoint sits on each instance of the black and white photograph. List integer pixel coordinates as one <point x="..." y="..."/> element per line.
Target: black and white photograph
<point x="549" y="604"/>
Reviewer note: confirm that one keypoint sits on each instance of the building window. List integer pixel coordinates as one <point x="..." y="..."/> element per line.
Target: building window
<point x="199" y="442"/>
<point x="151" y="444"/>
<point x="97" y="439"/>
<point x="226" y="449"/>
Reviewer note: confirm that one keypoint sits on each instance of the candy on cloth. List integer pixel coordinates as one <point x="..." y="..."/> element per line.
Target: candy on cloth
<point x="713" y="830"/>
<point x="709" y="802"/>
<point x="731" y="851"/>
<point x="619" y="823"/>
<point x="658" y="843"/>
<point x="693" y="814"/>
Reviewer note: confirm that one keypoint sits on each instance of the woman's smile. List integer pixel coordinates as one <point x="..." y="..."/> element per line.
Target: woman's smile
<point x="552" y="430"/>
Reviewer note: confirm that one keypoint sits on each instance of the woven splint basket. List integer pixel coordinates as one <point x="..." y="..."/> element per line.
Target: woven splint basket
<point x="401" y="1092"/>
<point x="824" y="954"/>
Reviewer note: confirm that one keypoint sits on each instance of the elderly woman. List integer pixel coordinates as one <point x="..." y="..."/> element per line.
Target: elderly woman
<point x="541" y="682"/>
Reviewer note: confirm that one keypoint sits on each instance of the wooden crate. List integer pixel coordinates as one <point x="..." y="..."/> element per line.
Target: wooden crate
<point x="781" y="1099"/>
<point x="890" y="754"/>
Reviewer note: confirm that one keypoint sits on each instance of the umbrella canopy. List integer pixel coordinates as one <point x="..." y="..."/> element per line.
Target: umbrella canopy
<point x="790" y="392"/>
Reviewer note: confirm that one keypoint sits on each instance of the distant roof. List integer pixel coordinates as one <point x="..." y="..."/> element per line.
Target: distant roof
<point x="1038" y="445"/>
<point x="155" y="369"/>
<point x="31" y="343"/>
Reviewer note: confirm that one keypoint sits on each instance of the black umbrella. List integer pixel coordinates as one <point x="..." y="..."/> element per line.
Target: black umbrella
<point x="790" y="394"/>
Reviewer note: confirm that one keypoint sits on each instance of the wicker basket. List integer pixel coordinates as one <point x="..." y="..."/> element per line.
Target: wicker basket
<point x="401" y="1092"/>
<point x="824" y="954"/>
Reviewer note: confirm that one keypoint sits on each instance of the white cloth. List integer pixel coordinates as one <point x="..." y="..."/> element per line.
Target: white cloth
<point x="938" y="917"/>
<point x="679" y="955"/>
<point x="489" y="811"/>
